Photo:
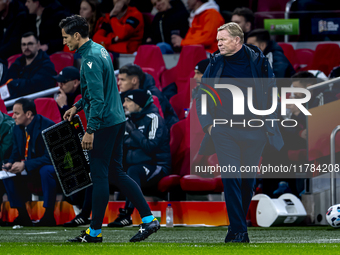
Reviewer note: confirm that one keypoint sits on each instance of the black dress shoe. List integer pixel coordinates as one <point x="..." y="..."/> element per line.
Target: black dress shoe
<point x="241" y="238"/>
<point x="230" y="236"/>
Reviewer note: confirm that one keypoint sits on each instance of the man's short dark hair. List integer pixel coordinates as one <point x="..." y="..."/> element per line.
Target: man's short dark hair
<point x="262" y="35"/>
<point x="132" y="70"/>
<point x="28" y="34"/>
<point x="27" y="105"/>
<point x="246" y="13"/>
<point x="74" y="24"/>
<point x="305" y="78"/>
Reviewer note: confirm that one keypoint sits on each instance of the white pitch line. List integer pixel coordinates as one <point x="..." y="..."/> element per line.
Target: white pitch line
<point x="40" y="233"/>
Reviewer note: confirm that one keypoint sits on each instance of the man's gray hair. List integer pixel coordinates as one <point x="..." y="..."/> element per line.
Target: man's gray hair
<point x="234" y="30"/>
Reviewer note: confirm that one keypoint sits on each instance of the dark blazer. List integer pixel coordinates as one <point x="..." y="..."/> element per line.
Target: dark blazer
<point x="37" y="154"/>
<point x="260" y="68"/>
<point x="32" y="78"/>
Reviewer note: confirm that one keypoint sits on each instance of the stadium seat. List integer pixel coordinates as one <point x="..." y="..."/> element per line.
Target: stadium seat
<point x="12" y="59"/>
<point x="3" y="108"/>
<point x="150" y="56"/>
<point x="289" y="52"/>
<point x="188" y="59"/>
<point x="271" y="6"/>
<point x="168" y="182"/>
<point x="48" y="108"/>
<point x="61" y="59"/>
<point x="304" y="59"/>
<point x="157" y="103"/>
<point x="195" y="183"/>
<point x="326" y="57"/>
<point x="81" y="114"/>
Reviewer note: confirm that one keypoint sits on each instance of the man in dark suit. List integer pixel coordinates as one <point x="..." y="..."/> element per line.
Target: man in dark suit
<point x="31" y="162"/>
<point x="236" y="146"/>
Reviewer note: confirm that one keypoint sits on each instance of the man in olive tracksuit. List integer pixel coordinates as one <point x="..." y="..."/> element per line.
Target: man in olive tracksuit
<point x="106" y="122"/>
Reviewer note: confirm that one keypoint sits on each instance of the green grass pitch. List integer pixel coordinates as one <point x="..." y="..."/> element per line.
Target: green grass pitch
<point x="177" y="240"/>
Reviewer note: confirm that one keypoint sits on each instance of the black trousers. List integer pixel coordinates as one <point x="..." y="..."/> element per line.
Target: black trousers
<point x="107" y="155"/>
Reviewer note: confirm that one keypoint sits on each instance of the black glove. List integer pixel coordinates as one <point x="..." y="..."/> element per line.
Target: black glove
<point x="107" y="27"/>
<point x="129" y="126"/>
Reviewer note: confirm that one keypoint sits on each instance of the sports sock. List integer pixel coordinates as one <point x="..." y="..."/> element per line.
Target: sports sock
<point x="94" y="232"/>
<point x="148" y="219"/>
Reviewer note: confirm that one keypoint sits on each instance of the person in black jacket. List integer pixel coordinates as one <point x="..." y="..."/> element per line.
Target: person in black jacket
<point x="32" y="72"/>
<point x="146" y="147"/>
<point x="281" y="66"/>
<point x="44" y="20"/>
<point x="13" y="24"/>
<point x="132" y="77"/>
<point x="172" y="18"/>
<point x="30" y="160"/>
<point x="68" y="80"/>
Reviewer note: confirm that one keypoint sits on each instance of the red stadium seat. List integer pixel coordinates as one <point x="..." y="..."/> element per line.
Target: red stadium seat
<point x="150" y="56"/>
<point x="166" y="183"/>
<point x="188" y="59"/>
<point x="61" y="59"/>
<point x="2" y="106"/>
<point x="326" y="57"/>
<point x="157" y="103"/>
<point x="271" y="6"/>
<point x="12" y="59"/>
<point x="289" y="52"/>
<point x="81" y="113"/>
<point x="48" y="108"/>
<point x="195" y="183"/>
<point x="304" y="59"/>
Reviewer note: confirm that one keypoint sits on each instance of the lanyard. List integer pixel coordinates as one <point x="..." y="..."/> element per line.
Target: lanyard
<point x="28" y="137"/>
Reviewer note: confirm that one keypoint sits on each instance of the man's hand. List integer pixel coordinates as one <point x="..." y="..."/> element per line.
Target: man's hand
<point x="87" y="142"/>
<point x="293" y="108"/>
<point x="6" y="167"/>
<point x="61" y="99"/>
<point x="209" y="129"/>
<point x="176" y="40"/>
<point x="117" y="8"/>
<point x="70" y="113"/>
<point x="44" y="47"/>
<point x="17" y="167"/>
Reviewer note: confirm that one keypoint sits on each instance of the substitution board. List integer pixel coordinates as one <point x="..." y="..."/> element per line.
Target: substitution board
<point x="70" y="161"/>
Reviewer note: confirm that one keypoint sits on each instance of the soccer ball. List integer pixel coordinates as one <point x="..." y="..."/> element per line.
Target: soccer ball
<point x="333" y="216"/>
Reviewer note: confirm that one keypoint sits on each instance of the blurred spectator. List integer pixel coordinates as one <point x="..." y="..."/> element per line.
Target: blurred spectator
<point x="132" y="77"/>
<point x="44" y="20"/>
<point x="6" y="136"/>
<point x="232" y="5"/>
<point x="6" y="140"/>
<point x="30" y="154"/>
<point x="89" y="9"/>
<point x="71" y="6"/>
<point x="32" y="72"/>
<point x="13" y="24"/>
<point x="281" y="66"/>
<point x="204" y="21"/>
<point x="142" y="5"/>
<point x="172" y="18"/>
<point x="122" y="29"/>
<point x="200" y="69"/>
<point x="68" y="80"/>
<point x="244" y="17"/>
<point x="146" y="147"/>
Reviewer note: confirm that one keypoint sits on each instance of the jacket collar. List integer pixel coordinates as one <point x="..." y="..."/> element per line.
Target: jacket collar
<point x="84" y="48"/>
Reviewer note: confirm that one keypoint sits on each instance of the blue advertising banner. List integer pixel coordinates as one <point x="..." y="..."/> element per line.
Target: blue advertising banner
<point x="328" y="26"/>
